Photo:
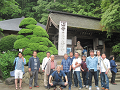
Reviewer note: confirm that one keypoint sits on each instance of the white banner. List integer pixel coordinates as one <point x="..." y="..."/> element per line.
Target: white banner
<point x="62" y="41"/>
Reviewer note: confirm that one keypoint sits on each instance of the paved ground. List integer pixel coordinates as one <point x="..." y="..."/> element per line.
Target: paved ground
<point x="25" y="87"/>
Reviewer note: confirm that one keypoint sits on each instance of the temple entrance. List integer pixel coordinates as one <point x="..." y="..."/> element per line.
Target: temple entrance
<point x="87" y="44"/>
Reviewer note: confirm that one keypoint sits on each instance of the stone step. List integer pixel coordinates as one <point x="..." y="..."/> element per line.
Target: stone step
<point x="118" y="73"/>
<point x="118" y="76"/>
<point x="116" y="80"/>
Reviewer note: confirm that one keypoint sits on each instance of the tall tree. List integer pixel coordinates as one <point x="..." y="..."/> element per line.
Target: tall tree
<point x="8" y="8"/>
<point x="111" y="16"/>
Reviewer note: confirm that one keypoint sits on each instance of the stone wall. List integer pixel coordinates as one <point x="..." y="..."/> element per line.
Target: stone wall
<point x="26" y="77"/>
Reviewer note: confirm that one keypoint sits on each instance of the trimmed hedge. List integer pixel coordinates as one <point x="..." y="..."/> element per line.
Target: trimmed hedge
<point x="21" y="43"/>
<point x="7" y="42"/>
<point x="27" y="21"/>
<point x="24" y="31"/>
<point x="34" y="38"/>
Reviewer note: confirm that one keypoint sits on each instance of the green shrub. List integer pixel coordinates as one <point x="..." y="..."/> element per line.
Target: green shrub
<point x="55" y="52"/>
<point x="27" y="58"/>
<point x="27" y="21"/>
<point x="20" y="36"/>
<point x="28" y="51"/>
<point x="21" y="43"/>
<point x="7" y="42"/>
<point x="37" y="39"/>
<point x="6" y="63"/>
<point x="31" y="26"/>
<point x="41" y="56"/>
<point x="30" y="36"/>
<point x="34" y="46"/>
<point x="24" y="31"/>
<point x="39" y="31"/>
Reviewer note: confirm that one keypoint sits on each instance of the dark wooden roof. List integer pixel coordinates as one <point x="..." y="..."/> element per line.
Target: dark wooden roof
<point x="73" y="21"/>
<point x="13" y="24"/>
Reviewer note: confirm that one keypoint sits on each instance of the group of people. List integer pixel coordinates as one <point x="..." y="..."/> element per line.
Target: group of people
<point x="71" y="67"/>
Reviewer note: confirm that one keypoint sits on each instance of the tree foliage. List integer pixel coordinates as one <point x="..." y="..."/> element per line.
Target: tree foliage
<point x="32" y="37"/>
<point x="6" y="63"/>
<point x="82" y="7"/>
<point x="7" y="42"/>
<point x="8" y="8"/>
<point x="111" y="16"/>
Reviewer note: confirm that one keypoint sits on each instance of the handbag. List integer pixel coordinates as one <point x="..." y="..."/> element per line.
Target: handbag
<point x="109" y="74"/>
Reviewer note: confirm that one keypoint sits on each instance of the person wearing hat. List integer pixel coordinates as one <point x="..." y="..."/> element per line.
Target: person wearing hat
<point x="84" y="71"/>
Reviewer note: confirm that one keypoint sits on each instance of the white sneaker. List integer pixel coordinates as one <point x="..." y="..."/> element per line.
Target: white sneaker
<point x="86" y="86"/>
<point x="97" y="88"/>
<point x="83" y="86"/>
<point x="80" y="88"/>
<point x="90" y="88"/>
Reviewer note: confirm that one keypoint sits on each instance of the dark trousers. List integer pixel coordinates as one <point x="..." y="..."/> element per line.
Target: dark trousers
<point x="85" y="78"/>
<point x="71" y="73"/>
<point x="35" y="77"/>
<point x="68" y="77"/>
<point x="95" y="77"/>
<point x="51" y="71"/>
<point x="62" y="84"/>
<point x="113" y="77"/>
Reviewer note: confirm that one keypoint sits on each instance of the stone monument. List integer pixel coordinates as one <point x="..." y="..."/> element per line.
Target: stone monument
<point x="79" y="49"/>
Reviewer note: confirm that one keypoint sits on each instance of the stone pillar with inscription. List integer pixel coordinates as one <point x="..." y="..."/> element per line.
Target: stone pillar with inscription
<point x="62" y="39"/>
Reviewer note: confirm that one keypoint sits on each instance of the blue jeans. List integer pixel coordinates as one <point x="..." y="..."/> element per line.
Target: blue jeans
<point x="77" y="79"/>
<point x="85" y="77"/>
<point x="95" y="77"/>
<point x="105" y="80"/>
<point x="98" y="71"/>
<point x="69" y="80"/>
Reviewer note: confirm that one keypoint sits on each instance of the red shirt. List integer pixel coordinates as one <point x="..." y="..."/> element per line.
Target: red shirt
<point x="84" y="66"/>
<point x="52" y="65"/>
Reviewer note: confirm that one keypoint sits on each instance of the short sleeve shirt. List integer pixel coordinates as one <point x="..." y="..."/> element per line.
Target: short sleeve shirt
<point x="19" y="64"/>
<point x="107" y="64"/>
<point x="35" y="63"/>
<point x="58" y="76"/>
<point x="78" y="60"/>
<point x="66" y="65"/>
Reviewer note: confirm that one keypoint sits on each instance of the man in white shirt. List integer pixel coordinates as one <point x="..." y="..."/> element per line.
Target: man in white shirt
<point x="44" y="65"/>
<point x="76" y="67"/>
<point x="104" y="72"/>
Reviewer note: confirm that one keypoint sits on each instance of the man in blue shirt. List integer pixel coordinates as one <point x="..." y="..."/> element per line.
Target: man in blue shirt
<point x="92" y="63"/>
<point x="71" y="57"/>
<point x="19" y="62"/>
<point x="57" y="75"/>
<point x="66" y="66"/>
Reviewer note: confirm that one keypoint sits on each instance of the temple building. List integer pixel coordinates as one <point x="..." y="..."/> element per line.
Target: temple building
<point x="66" y="29"/>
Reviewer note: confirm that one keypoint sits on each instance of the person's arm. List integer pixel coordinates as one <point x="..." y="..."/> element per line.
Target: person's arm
<point x="70" y="67"/>
<point x="39" y="64"/>
<point x="24" y="61"/>
<point x="113" y="64"/>
<point x="14" y="61"/>
<point x="66" y="81"/>
<point x="43" y="64"/>
<point x="108" y="67"/>
<point x="47" y="68"/>
<point x="78" y="65"/>
<point x="50" y="80"/>
<point x="61" y="67"/>
<point x="29" y="64"/>
<point x="87" y="62"/>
